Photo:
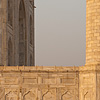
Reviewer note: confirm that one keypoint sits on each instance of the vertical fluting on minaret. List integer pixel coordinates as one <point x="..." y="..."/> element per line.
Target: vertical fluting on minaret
<point x="92" y="32"/>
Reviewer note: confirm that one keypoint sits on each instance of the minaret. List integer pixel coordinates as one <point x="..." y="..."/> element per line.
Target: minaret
<point x="92" y="32"/>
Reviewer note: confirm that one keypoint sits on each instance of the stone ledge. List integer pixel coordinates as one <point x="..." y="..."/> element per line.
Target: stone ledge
<point x="38" y="68"/>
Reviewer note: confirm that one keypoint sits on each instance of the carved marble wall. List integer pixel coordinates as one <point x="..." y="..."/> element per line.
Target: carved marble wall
<point x="39" y="83"/>
<point x="87" y="84"/>
<point x="49" y="83"/>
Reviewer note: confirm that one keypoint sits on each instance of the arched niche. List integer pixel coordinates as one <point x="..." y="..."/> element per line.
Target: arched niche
<point x="10" y="52"/>
<point x="48" y="96"/>
<point x="22" y="35"/>
<point x="10" y="11"/>
<point x="31" y="31"/>
<point x="67" y="96"/>
<point x="87" y="96"/>
<point x="11" y="96"/>
<point x="29" y="96"/>
<point x="2" y="93"/>
<point x="31" y="60"/>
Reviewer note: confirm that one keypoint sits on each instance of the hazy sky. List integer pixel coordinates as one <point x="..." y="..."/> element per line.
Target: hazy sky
<point x="60" y="32"/>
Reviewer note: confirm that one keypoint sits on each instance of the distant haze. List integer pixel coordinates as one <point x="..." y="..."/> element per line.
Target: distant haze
<point x="60" y="30"/>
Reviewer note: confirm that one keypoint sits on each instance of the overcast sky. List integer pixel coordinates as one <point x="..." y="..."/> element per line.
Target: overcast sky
<point x="60" y="30"/>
